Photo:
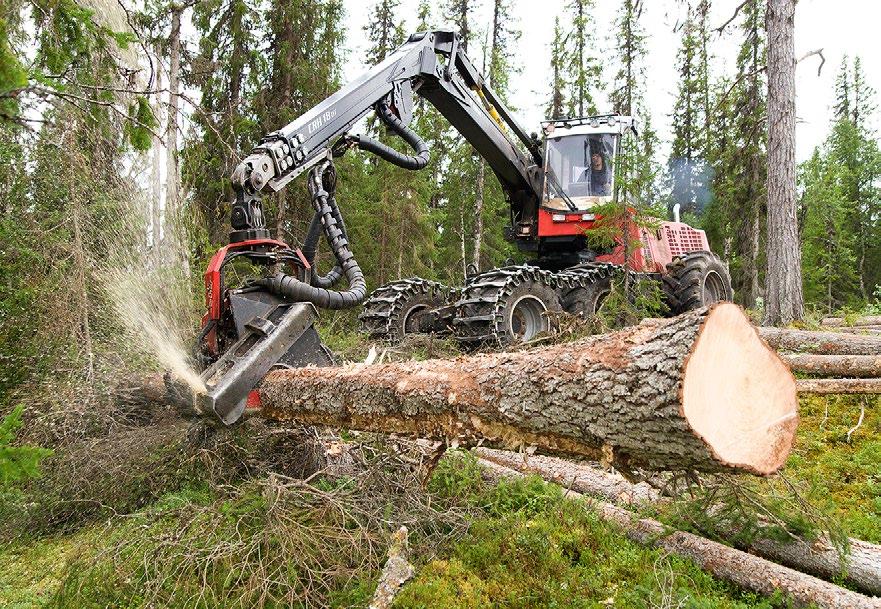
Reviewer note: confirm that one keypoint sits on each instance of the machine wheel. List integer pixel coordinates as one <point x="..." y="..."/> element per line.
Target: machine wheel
<point x="585" y="287"/>
<point x="393" y="310"/>
<point x="505" y="306"/>
<point x="696" y="280"/>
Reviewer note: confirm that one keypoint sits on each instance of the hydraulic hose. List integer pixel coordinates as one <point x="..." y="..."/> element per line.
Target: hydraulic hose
<point x="310" y="248"/>
<point x="292" y="288"/>
<point x="417" y="161"/>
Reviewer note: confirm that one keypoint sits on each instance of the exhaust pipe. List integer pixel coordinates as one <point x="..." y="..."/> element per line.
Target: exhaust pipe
<point x="676" y="212"/>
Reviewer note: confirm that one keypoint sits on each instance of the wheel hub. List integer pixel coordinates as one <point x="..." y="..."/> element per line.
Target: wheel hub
<point x="527" y="318"/>
<point x="714" y="288"/>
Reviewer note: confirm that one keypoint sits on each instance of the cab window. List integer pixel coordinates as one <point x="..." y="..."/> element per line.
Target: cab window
<point x="580" y="166"/>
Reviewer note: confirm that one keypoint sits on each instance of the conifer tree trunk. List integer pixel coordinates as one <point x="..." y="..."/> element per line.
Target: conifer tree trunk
<point x="784" y="300"/>
<point x="172" y="176"/>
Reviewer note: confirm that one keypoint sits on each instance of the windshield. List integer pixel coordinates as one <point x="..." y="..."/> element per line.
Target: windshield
<point x="579" y="167"/>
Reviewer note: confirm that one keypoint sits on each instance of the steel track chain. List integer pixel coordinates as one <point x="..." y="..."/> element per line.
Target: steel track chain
<point x="384" y="305"/>
<point x="479" y="311"/>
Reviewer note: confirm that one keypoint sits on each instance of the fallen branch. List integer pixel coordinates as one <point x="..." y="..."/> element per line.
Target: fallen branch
<point x="396" y="571"/>
<point x="734" y="566"/>
<point x="860" y="568"/>
<point x="699" y="391"/>
<point x="822" y="343"/>
<point x="835" y="365"/>
<point x="839" y="386"/>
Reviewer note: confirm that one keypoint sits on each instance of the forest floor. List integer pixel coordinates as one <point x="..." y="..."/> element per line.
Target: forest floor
<point x="171" y="526"/>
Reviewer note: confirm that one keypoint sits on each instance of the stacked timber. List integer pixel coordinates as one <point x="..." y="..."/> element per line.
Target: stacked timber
<point x="845" y="362"/>
<point x="870" y="324"/>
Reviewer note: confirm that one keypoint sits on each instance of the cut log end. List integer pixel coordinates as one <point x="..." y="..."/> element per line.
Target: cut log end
<point x="738" y="395"/>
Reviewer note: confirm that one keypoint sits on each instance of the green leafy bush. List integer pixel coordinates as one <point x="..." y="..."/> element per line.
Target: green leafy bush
<point x="17" y="463"/>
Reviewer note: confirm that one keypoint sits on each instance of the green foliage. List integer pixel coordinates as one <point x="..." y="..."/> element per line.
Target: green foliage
<point x="534" y="547"/>
<point x="13" y="75"/>
<point x="17" y="463"/>
<point x="841" y="229"/>
<point x="138" y="130"/>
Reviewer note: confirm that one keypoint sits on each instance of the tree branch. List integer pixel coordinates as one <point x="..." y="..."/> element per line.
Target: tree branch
<point x="811" y="53"/>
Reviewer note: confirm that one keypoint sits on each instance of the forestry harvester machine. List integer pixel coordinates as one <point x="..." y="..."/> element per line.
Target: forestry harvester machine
<point x="553" y="186"/>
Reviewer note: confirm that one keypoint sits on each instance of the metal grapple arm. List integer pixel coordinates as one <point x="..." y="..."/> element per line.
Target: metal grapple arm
<point x="430" y="64"/>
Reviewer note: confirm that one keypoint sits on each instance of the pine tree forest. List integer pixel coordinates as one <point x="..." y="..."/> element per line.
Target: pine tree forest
<point x="450" y="248"/>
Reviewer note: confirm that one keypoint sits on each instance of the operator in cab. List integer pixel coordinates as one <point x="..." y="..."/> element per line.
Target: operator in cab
<point x="597" y="175"/>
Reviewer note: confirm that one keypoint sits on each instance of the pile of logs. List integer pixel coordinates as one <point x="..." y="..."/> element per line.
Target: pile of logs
<point x="848" y="358"/>
<point x="705" y="391"/>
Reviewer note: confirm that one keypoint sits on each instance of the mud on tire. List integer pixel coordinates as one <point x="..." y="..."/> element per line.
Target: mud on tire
<point x="695" y="280"/>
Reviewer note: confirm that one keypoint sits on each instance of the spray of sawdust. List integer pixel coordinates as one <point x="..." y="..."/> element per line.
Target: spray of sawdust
<point x="148" y="308"/>
<point x="150" y="288"/>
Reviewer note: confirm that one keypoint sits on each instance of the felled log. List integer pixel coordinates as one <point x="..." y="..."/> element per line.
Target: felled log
<point x="861" y="366"/>
<point x="609" y="485"/>
<point x="821" y="343"/>
<point x="735" y="566"/>
<point x="860" y="568"/>
<point x="867" y="320"/>
<point x="839" y="386"/>
<point x="862" y="330"/>
<point x="699" y="391"/>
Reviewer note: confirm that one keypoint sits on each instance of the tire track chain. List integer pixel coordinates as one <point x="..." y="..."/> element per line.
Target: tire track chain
<point x="385" y="304"/>
<point x="479" y="310"/>
<point x="585" y="274"/>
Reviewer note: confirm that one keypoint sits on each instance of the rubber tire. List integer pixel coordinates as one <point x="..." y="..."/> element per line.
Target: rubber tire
<point x="586" y="301"/>
<point x="544" y="293"/>
<point x="684" y="281"/>
<point x="397" y="331"/>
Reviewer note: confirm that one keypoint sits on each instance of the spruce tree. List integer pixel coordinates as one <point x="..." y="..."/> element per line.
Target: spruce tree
<point x="688" y="166"/>
<point x="583" y="69"/>
<point x="638" y="172"/>
<point x="227" y="70"/>
<point x="737" y="149"/>
<point x="557" y="102"/>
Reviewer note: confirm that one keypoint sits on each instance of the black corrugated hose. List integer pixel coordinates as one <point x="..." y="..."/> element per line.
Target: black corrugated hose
<point x="417" y="161"/>
<point x="292" y="288"/>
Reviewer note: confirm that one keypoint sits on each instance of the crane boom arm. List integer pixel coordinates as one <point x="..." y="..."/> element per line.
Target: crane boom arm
<point x="431" y="65"/>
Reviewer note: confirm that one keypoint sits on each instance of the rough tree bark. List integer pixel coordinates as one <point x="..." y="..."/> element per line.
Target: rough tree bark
<point x="821" y="343"/>
<point x="698" y="391"/>
<point x="784" y="299"/>
<point x="735" y="566"/>
<point x="839" y="386"/>
<point x="860" y="568"/>
<point x="836" y="365"/>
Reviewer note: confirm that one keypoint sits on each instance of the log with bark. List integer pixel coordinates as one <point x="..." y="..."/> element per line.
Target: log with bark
<point x="735" y="566"/>
<point x="821" y="343"/>
<point x="867" y="320"/>
<point x="859" y="568"/>
<point x="839" y="386"/>
<point x="700" y="391"/>
<point x="860" y="366"/>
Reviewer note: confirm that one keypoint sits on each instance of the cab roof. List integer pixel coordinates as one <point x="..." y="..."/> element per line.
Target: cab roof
<point x="604" y="123"/>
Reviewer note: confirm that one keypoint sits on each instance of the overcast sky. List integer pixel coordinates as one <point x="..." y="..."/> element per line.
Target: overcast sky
<point x="839" y="27"/>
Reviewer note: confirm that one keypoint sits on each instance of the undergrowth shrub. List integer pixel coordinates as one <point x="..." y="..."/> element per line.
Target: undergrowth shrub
<point x="277" y="541"/>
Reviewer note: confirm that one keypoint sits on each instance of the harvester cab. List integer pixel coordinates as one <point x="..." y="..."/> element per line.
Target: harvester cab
<point x="580" y="159"/>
